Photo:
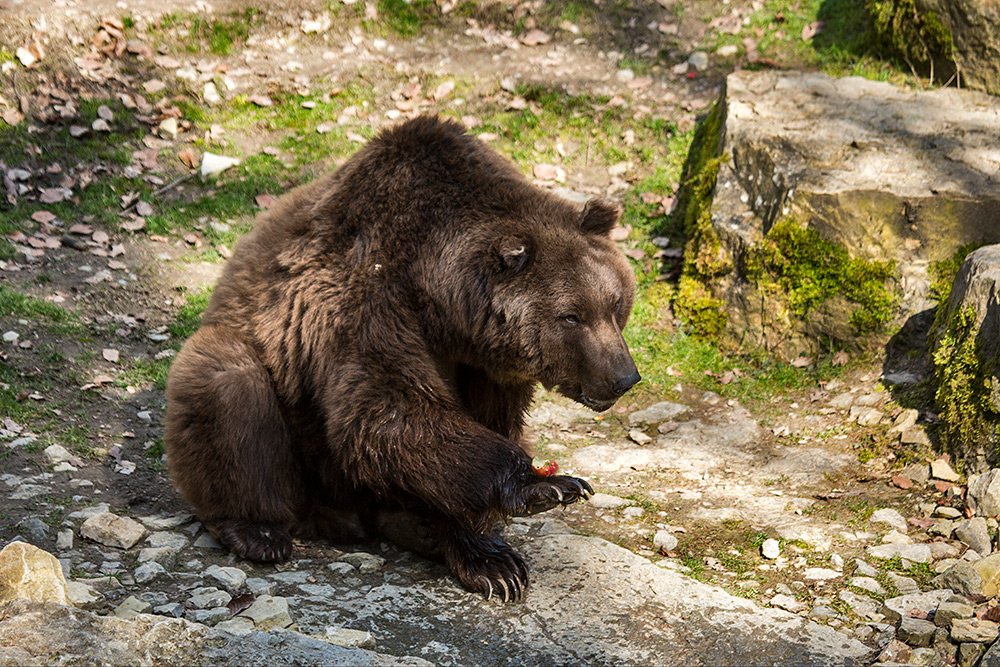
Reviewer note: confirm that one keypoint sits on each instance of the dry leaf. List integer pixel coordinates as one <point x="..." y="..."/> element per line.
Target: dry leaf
<point x="802" y="362"/>
<point x="189" y="158"/>
<point x="535" y="37"/>
<point x="110" y="355"/>
<point x="620" y="233"/>
<point x="43" y="217"/>
<point x="444" y="90"/>
<point x="100" y="237"/>
<point x="260" y="100"/>
<point x="80" y="228"/>
<point x="840" y="358"/>
<point x="635" y="253"/>
<point x="265" y="200"/>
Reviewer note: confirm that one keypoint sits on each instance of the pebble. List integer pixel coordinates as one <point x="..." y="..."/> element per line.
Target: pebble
<point x="155" y="598"/>
<point x="35" y="529"/>
<point x="638" y="437"/>
<point x="56" y="454"/>
<point x="975" y="533"/>
<point x="206" y="541"/>
<point x="259" y="586"/>
<point x="607" y="501"/>
<point x="238" y="626"/>
<point x="946" y="512"/>
<point x="208" y="616"/>
<point x="698" y="60"/>
<point x="890" y="517"/>
<point x="339" y="568"/>
<point x="864" y="569"/>
<point x="131" y="606"/>
<point x="147" y="572"/>
<point x="112" y="530"/>
<point x="904" y="420"/>
<point x="896" y="537"/>
<point x="365" y="562"/>
<point x="632" y="512"/>
<point x="81" y="594"/>
<point x="770" y="549"/>
<point x="941" y="470"/>
<point x="208" y="597"/>
<point x="905" y="585"/>
<point x="973" y="630"/>
<point x="916" y="631"/>
<point x="268" y="612"/>
<point x="920" y="553"/>
<point x="727" y="51"/>
<point x="165" y="556"/>
<point x="664" y="540"/>
<point x="349" y="638"/>
<point x="656" y="413"/>
<point x="787" y="602"/>
<point x="820" y="574"/>
<point x="231" y="578"/>
<point x="867" y="584"/>
<point x="172" y="609"/>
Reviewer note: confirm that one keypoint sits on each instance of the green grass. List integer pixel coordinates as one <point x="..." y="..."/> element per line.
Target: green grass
<point x="223" y="35"/>
<point x="189" y="316"/>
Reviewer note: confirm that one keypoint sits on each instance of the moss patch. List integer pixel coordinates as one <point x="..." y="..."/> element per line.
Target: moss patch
<point x="965" y="391"/>
<point x="805" y="270"/>
<point x="918" y="37"/>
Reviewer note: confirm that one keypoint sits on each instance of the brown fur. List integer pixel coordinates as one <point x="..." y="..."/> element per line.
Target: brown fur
<point x="373" y="345"/>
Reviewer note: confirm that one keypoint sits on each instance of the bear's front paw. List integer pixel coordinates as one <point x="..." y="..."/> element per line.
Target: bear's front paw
<point x="543" y="493"/>
<point x="487" y="565"/>
<point x="264" y="543"/>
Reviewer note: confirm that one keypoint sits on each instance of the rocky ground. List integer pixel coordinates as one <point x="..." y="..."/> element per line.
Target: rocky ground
<point x="736" y="522"/>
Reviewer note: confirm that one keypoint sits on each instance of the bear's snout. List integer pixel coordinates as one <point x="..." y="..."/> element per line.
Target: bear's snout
<point x="626" y="382"/>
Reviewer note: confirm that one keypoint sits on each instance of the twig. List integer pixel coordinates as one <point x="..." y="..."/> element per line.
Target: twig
<point x="166" y="187"/>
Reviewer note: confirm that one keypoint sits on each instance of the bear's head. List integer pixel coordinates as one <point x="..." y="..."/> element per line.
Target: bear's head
<point x="562" y="295"/>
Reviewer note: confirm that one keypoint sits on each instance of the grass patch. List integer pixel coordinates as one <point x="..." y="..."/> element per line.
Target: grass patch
<point x="407" y="18"/>
<point x="221" y="35"/>
<point x="189" y="316"/>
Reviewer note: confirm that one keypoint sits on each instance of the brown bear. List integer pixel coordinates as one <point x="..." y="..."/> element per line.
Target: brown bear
<point x="372" y="347"/>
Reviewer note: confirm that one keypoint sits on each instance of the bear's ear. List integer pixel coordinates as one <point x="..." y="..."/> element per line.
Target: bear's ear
<point x="514" y="253"/>
<point x="599" y="216"/>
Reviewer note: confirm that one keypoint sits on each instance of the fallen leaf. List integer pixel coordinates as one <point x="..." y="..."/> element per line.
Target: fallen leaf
<point x="635" y="253"/>
<point x="620" y="233"/>
<point x="545" y="172"/>
<point x="110" y="355"/>
<point x="80" y="228"/>
<point x="902" y="482"/>
<point x="241" y="603"/>
<point x="167" y="62"/>
<point x="153" y="86"/>
<point x="922" y="521"/>
<point x="52" y="195"/>
<point x="100" y="237"/>
<point x="673" y="372"/>
<point x="12" y="116"/>
<point x="265" y="200"/>
<point x="43" y="217"/>
<point x="444" y="90"/>
<point x="188" y="157"/>
<point x="260" y="100"/>
<point x="727" y="377"/>
<point x="802" y="362"/>
<point x="811" y="30"/>
<point x="840" y="358"/>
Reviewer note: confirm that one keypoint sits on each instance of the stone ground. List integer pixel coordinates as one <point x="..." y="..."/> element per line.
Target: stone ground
<point x="665" y="566"/>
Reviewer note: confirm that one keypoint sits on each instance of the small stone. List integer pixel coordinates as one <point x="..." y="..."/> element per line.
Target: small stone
<point x="606" y="501"/>
<point x="969" y="654"/>
<point x="944" y="528"/>
<point x="901" y="482"/>
<point x="941" y="470"/>
<point x="165" y="556"/>
<point x="867" y="584"/>
<point x="208" y="597"/>
<point x="172" y="609"/>
<point x="656" y="413"/>
<point x="976" y="534"/>
<point x="866" y="416"/>
<point x="962" y="578"/>
<point x="131" y="606"/>
<point x="842" y="401"/>
<point x="895" y="653"/>
<point x="638" y="437"/>
<point x="698" y="60"/>
<point x="208" y="616"/>
<point x="349" y="638"/>
<point x="770" y="549"/>
<point x="984" y="493"/>
<point x="57" y="454"/>
<point x="365" y="562"/>
<point x="891" y="517"/>
<point x="231" y="578"/>
<point x="920" y="553"/>
<point x="211" y="94"/>
<point x="155" y="598"/>
<point x="206" y="541"/>
<point x="260" y="587"/>
<point x="32" y="574"/>
<point x="989" y="571"/>
<point x="862" y="605"/>
<point x="943" y="550"/>
<point x="895" y="608"/>
<point x="341" y="569"/>
<point x="81" y="594"/>
<point x="915" y="436"/>
<point x="239" y="625"/>
<point x="896" y="537"/>
<point x="625" y="75"/>
<point x="945" y="512"/>
<point x="35" y="529"/>
<point x="904" y="420"/>
<point x="165" y="522"/>
<point x="915" y="631"/>
<point x="268" y="612"/>
<point x="863" y="569"/>
<point x="112" y="530"/>
<point x="664" y="541"/>
<point x="147" y="572"/>
<point x="787" y="602"/>
<point x="727" y="51"/>
<point x="973" y="630"/>
<point x="949" y="611"/>
<point x="820" y="574"/>
<point x="64" y="540"/>
<point x="926" y="657"/>
<point x="168" y="127"/>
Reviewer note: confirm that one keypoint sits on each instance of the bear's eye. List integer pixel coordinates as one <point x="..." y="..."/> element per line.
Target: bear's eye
<point x="571" y="319"/>
<point x="618" y="305"/>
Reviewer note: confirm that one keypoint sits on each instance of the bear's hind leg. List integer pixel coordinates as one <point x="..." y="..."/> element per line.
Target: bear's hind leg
<point x="229" y="447"/>
<point x="484" y="563"/>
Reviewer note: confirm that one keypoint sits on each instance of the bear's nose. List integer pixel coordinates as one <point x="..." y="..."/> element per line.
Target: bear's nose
<point x="626" y="382"/>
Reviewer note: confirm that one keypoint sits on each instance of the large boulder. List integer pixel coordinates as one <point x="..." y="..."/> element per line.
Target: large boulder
<point x="975" y="38"/>
<point x="966" y="351"/>
<point x="28" y="573"/>
<point x="832" y="198"/>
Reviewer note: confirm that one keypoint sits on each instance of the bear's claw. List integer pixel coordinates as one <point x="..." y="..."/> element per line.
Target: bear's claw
<point x="487" y="565"/>
<point x="264" y="543"/>
<point x="544" y="493"/>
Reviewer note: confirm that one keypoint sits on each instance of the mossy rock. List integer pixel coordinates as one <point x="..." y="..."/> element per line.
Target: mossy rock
<point x="966" y="349"/>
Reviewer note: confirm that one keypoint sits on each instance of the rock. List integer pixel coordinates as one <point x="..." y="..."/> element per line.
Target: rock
<point x="944" y="551"/>
<point x="896" y="608"/>
<point x="206" y="541"/>
<point x="638" y="437"/>
<point x="34" y="529"/>
<point x="973" y="28"/>
<point x="698" y="60"/>
<point x="29" y="573"/>
<point x="905" y="585"/>
<point x="915" y="631"/>
<point x="975" y="533"/>
<point x="57" y="454"/>
<point x="944" y="528"/>
<point x="896" y="653"/>
<point x="49" y="634"/>
<point x="819" y="574"/>
<point x="864" y="569"/>
<point x="664" y="541"/>
<point x="770" y="548"/>
<point x="989" y="571"/>
<point x="862" y="605"/>
<point x="867" y="584"/>
<point x="969" y="653"/>
<point x="165" y="556"/>
<point x="268" y="612"/>
<point x="945" y="512"/>
<point x="799" y="152"/>
<point x="895" y="537"/>
<point x="607" y="501"/>
<point x="962" y="578"/>
<point x="259" y="586"/>
<point x="81" y="594"/>
<point x="131" y="606"/>
<point x="867" y="416"/>
<point x="112" y="530"/>
<point x="209" y="616"/>
<point x="949" y="611"/>
<point x="231" y="578"/>
<point x="941" y="470"/>
<point x="365" y="562"/>
<point x="656" y="413"/>
<point x="787" y="602"/>
<point x="904" y="420"/>
<point x="172" y="609"/>
<point x="984" y="493"/>
<point x="239" y="625"/>
<point x="64" y="540"/>
<point x="915" y="436"/>
<point x="348" y="637"/>
<point x="919" y="553"/>
<point x="147" y="572"/>
<point x="208" y="597"/>
<point x="165" y="522"/>
<point x="973" y="630"/>
<point x="161" y="539"/>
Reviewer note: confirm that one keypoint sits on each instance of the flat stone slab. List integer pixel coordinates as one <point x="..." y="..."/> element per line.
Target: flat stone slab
<point x="590" y="602"/>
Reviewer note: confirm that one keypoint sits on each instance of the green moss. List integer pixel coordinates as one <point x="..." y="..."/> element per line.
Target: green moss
<point x="700" y="311"/>
<point x="916" y="37"/>
<point x="407" y="18"/>
<point x="805" y="269"/>
<point x="965" y="387"/>
<point x="943" y="272"/>
<point x="223" y="34"/>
